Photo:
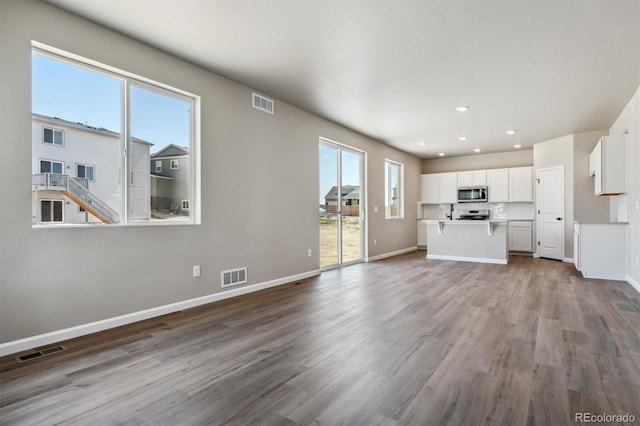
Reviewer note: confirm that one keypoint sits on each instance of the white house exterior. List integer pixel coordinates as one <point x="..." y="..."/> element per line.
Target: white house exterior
<point x="73" y="153"/>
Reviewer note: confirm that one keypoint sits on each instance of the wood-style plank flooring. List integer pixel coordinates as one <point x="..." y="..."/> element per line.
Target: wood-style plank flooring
<point x="404" y="341"/>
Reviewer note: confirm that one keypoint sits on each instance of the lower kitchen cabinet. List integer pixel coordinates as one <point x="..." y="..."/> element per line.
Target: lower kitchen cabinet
<point x="422" y="234"/>
<point x="521" y="235"/>
<point x="600" y="250"/>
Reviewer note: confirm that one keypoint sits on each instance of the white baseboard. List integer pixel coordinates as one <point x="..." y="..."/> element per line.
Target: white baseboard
<point x="567" y="259"/>
<point x="468" y="259"/>
<point x="633" y="283"/>
<point x="393" y="253"/>
<point x="93" y="327"/>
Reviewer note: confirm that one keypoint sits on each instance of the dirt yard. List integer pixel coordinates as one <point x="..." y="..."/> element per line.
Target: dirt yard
<point x="329" y="240"/>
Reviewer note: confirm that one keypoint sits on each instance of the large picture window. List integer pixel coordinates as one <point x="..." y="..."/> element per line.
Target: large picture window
<point x="93" y="114"/>
<point x="394" y="190"/>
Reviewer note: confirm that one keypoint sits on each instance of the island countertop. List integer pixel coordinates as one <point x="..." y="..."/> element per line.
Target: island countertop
<point x="466" y="221"/>
<point x="482" y="241"/>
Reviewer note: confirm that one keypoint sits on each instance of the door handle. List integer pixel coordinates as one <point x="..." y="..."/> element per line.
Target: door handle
<point x="558" y="218"/>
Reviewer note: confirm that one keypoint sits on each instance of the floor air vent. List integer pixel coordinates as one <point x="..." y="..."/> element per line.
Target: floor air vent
<point x="234" y="277"/>
<point x="40" y="354"/>
<point x="262" y="103"/>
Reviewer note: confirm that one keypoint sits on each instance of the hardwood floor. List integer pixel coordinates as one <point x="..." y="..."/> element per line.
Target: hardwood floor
<point x="401" y="341"/>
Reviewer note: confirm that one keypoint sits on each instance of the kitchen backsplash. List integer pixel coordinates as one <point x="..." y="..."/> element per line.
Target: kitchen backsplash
<point x="509" y="211"/>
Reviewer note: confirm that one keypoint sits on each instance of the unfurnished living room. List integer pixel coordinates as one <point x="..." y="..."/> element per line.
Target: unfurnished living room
<point x="322" y="212"/>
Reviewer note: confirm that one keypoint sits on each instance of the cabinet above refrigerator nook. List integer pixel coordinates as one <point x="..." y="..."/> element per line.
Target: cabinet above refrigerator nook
<point x="608" y="165"/>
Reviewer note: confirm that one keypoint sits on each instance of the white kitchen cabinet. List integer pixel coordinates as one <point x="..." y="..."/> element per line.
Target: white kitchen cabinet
<point x="447" y="188"/>
<point x="609" y="163"/>
<point x="600" y="250"/>
<point x="498" y="183"/>
<point x="472" y="178"/>
<point x="429" y="189"/>
<point x="439" y="188"/>
<point x="422" y="233"/>
<point x="521" y="235"/>
<point x="520" y="184"/>
<point x="465" y="178"/>
<point x="479" y="178"/>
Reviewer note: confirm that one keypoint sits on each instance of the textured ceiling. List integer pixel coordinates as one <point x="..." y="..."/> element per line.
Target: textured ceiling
<point x="396" y="70"/>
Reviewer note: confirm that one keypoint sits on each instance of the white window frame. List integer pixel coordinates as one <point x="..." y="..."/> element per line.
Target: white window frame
<point x="127" y="79"/>
<point x="158" y="166"/>
<point x="53" y="130"/>
<point x="388" y="191"/>
<point x="171" y="164"/>
<point x="183" y="204"/>
<point x="40" y="160"/>
<point x="53" y="200"/>
<point x="93" y="179"/>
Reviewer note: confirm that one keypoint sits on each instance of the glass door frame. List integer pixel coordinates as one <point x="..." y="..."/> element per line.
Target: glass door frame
<point x="363" y="202"/>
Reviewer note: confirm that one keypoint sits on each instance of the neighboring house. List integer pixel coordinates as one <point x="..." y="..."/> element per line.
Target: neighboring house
<point x="350" y="200"/>
<point x="76" y="173"/>
<point x="170" y="180"/>
<point x="350" y="196"/>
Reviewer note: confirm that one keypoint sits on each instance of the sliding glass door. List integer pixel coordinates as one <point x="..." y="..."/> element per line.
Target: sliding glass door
<point x="341" y="204"/>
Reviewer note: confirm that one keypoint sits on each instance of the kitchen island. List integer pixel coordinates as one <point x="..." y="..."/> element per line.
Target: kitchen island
<point x="483" y="241"/>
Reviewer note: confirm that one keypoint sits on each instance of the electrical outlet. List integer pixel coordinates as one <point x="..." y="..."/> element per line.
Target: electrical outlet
<point x="375" y="209"/>
<point x="309" y="253"/>
<point x="196" y="271"/>
<point x="637" y="206"/>
<point x="375" y="242"/>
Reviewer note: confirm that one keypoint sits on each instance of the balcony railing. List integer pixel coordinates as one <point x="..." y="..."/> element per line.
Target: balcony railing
<point x="78" y="190"/>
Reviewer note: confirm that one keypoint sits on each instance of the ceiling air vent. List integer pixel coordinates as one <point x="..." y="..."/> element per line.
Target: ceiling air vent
<point x="234" y="277"/>
<point x="262" y="103"/>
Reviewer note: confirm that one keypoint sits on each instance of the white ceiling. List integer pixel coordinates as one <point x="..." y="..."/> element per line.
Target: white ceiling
<point x="396" y="70"/>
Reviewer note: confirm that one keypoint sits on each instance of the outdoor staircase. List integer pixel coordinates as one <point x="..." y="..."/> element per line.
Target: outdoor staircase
<point x="77" y="190"/>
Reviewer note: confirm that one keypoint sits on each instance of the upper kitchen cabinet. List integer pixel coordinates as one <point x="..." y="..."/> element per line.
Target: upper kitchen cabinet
<point x="472" y="178"/>
<point x="439" y="188"/>
<point x="608" y="163"/>
<point x="429" y="189"/>
<point x="520" y="184"/>
<point x="498" y="183"/>
<point x="448" y="188"/>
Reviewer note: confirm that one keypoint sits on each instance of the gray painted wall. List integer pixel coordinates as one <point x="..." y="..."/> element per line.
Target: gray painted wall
<point x="57" y="278"/>
<point x="559" y="152"/>
<point x="629" y="122"/>
<point x="479" y="162"/>
<point x="586" y="206"/>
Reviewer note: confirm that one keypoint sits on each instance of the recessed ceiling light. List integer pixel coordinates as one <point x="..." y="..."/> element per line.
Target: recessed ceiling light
<point x="462" y="138"/>
<point x="441" y="154"/>
<point x="476" y="150"/>
<point x="517" y="145"/>
<point x="510" y="132"/>
<point x="422" y="143"/>
<point x="462" y="108"/>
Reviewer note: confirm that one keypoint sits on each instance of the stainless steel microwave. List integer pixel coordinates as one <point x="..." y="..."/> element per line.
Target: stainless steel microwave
<point x="473" y="194"/>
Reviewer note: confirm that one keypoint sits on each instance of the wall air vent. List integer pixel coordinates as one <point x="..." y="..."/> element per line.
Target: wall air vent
<point x="233" y="277"/>
<point x="262" y="103"/>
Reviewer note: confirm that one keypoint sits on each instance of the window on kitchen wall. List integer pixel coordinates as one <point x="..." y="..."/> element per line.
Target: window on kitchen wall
<point x="88" y="116"/>
<point x="394" y="190"/>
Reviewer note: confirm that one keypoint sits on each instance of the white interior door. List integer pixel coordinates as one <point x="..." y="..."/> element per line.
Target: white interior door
<point x="550" y="209"/>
